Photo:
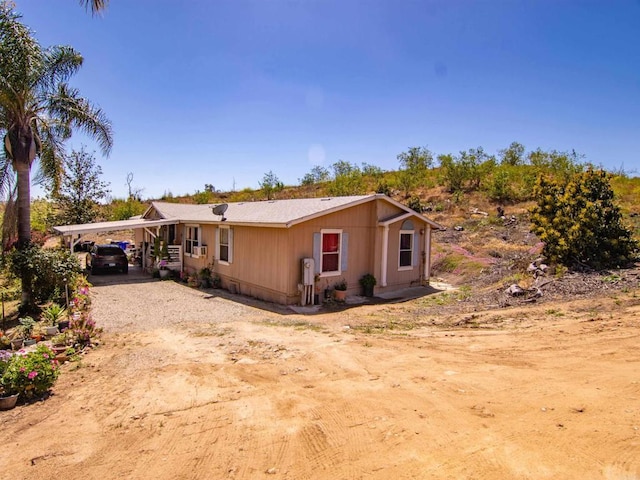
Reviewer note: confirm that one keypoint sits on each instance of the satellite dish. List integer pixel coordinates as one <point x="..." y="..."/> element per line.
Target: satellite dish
<point x="220" y="209"/>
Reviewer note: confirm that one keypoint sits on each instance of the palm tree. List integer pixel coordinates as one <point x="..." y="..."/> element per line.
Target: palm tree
<point x="96" y="6"/>
<point x="38" y="110"/>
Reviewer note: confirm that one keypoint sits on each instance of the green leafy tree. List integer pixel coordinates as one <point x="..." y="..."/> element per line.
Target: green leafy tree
<point x="477" y="165"/>
<point x="561" y="165"/>
<point x="414" y="167"/>
<point x="372" y="171"/>
<point x="512" y="156"/>
<point x="579" y="222"/>
<point x="43" y="215"/>
<point x="318" y="174"/>
<point x="80" y="189"/>
<point x="347" y="179"/>
<point x="500" y="186"/>
<point x="453" y="174"/>
<point x="271" y="184"/>
<point x="38" y="110"/>
<point x="120" y="209"/>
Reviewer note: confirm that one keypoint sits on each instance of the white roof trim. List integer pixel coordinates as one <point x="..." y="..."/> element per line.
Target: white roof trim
<point x="110" y="226"/>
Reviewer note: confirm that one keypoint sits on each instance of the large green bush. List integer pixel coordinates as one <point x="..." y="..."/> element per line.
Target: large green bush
<point x="48" y="270"/>
<point x="579" y="222"/>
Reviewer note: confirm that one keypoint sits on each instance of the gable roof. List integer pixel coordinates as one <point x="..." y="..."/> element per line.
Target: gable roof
<point x="271" y="213"/>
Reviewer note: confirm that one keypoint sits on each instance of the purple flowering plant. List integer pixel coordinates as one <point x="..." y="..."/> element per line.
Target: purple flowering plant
<point x="83" y="329"/>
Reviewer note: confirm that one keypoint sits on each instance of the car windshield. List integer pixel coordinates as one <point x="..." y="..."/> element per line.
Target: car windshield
<point x="110" y="251"/>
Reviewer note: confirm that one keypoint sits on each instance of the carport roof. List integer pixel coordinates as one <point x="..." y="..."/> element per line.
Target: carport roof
<point x="111" y="226"/>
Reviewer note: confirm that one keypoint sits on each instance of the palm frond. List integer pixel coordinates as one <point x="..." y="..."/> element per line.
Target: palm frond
<point x="7" y="175"/>
<point x="10" y="219"/>
<point x="20" y="54"/>
<point x="96" y="6"/>
<point x="52" y="136"/>
<point x="60" y="63"/>
<point x="72" y="109"/>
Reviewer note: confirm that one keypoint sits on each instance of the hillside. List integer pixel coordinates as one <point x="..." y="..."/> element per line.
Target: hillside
<point x="481" y="247"/>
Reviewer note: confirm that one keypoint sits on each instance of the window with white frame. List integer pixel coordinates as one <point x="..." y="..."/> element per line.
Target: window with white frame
<point x="224" y="244"/>
<point x="223" y="253"/>
<point x="331" y="251"/>
<point x="405" y="257"/>
<point x="406" y="246"/>
<point x="191" y="238"/>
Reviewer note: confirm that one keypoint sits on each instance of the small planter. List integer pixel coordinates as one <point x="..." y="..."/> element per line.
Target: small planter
<point x="29" y="341"/>
<point x="62" y="357"/>
<point x="59" y="349"/>
<point x="51" y="331"/>
<point x="367" y="282"/>
<point x="340" y="295"/>
<point x="8" y="402"/>
<point x="164" y="273"/>
<point x="17" y="343"/>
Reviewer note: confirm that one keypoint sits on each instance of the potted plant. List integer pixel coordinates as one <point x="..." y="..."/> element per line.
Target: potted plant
<point x="30" y="375"/>
<point x="51" y="315"/>
<point x="368" y="281"/>
<point x="205" y="277"/>
<point x="26" y="329"/>
<point x="163" y="269"/>
<point x="340" y="290"/>
<point x="7" y="400"/>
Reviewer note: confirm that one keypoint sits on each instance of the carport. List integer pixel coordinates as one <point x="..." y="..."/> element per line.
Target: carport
<point x="74" y="233"/>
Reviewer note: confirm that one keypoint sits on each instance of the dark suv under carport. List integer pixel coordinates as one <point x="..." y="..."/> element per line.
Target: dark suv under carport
<point x="107" y="257"/>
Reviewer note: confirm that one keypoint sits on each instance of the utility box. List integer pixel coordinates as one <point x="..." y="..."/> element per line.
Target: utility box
<point x="307" y="266"/>
<point x="308" y="271"/>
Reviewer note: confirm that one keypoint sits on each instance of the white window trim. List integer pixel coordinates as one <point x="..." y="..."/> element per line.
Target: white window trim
<point x="229" y="246"/>
<point x="333" y="273"/>
<point x="186" y="239"/>
<point x="413" y="247"/>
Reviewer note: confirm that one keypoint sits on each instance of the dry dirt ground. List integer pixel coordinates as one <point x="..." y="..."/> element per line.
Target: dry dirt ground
<point x="191" y="384"/>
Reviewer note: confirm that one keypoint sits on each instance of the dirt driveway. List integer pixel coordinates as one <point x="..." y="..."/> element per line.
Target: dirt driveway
<point x="195" y="385"/>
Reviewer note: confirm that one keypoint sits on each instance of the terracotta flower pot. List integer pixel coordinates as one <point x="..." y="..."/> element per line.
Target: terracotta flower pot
<point x="340" y="295"/>
<point x="8" y="402"/>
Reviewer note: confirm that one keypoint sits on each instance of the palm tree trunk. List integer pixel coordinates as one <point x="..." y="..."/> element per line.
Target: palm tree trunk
<point x="24" y="204"/>
<point x="22" y="166"/>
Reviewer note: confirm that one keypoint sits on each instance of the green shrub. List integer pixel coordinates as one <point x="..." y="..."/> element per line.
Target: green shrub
<point x="48" y="270"/>
<point x="31" y="374"/>
<point x="579" y="222"/>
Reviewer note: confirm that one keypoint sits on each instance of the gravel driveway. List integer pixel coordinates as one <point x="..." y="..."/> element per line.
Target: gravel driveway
<point x="137" y="302"/>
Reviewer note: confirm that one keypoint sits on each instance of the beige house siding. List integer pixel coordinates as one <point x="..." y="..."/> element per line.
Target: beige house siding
<point x="395" y="276"/>
<point x="194" y="264"/>
<point x="359" y="223"/>
<point x="266" y="258"/>
<point x="260" y="263"/>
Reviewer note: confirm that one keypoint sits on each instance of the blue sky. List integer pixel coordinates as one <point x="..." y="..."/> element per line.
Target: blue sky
<point x="224" y="91"/>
